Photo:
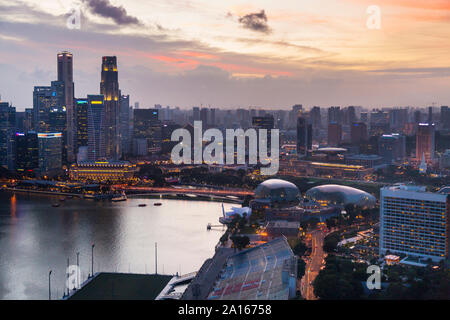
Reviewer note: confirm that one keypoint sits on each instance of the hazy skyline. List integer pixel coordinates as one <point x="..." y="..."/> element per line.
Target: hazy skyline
<point x="234" y="53"/>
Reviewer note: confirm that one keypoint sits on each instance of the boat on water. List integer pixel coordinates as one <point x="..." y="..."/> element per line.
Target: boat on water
<point x="122" y="197"/>
<point x="55" y="204"/>
<point x="157" y="204"/>
<point x="142" y="205"/>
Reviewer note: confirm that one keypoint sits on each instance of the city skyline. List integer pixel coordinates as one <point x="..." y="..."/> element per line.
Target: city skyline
<point x="250" y="54"/>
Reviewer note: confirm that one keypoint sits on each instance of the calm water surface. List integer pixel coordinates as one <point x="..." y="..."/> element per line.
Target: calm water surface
<point x="36" y="237"/>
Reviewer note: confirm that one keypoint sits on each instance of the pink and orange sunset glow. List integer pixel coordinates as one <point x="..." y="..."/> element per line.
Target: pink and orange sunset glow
<point x="235" y="53"/>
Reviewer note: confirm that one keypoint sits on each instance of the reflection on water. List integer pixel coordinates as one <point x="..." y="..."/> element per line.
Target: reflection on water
<point x="36" y="237"/>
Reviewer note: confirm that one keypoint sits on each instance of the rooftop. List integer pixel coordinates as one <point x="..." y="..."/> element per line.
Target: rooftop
<point x="122" y="286"/>
<point x="255" y="273"/>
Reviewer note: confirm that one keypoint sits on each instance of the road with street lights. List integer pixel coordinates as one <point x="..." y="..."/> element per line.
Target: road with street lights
<point x="314" y="264"/>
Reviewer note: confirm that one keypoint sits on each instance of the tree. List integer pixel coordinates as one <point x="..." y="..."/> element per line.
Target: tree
<point x="330" y="242"/>
<point x="300" y="248"/>
<point x="300" y="268"/>
<point x="240" y="242"/>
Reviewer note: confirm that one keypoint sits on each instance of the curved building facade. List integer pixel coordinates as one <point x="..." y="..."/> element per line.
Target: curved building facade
<point x="332" y="194"/>
<point x="276" y="191"/>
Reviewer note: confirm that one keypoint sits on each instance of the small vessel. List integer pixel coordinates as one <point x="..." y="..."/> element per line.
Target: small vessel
<point x="55" y="204"/>
<point x="122" y="197"/>
<point x="157" y="204"/>
<point x="142" y="205"/>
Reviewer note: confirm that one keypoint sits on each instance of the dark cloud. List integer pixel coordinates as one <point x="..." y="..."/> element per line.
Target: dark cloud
<point x="256" y="22"/>
<point x="105" y="9"/>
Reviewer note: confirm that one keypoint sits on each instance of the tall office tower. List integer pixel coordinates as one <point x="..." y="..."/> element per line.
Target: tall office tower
<point x="358" y="132"/>
<point x="430" y="115"/>
<point x="417" y="117"/>
<point x="212" y="116"/>
<point x="334" y="134"/>
<point x="351" y="115"/>
<point x="43" y="101"/>
<point x="398" y="118"/>
<point x="334" y="115"/>
<point x="265" y="122"/>
<point x="96" y="128"/>
<point x="314" y="115"/>
<point x="28" y="123"/>
<point x="195" y="114"/>
<point x="414" y="222"/>
<point x="304" y="137"/>
<point x="109" y="88"/>
<point x="27" y="151"/>
<point x="20" y="120"/>
<point x="125" y="124"/>
<point x="425" y="142"/>
<point x="147" y="136"/>
<point x="364" y="117"/>
<point x="7" y="131"/>
<point x="65" y="76"/>
<point x="81" y="120"/>
<point x="297" y="110"/>
<point x="392" y="147"/>
<point x="379" y="123"/>
<point x="50" y="153"/>
<point x="445" y="117"/>
<point x="204" y="117"/>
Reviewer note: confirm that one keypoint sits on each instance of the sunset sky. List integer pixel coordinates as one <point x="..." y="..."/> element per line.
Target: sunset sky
<point x="234" y="53"/>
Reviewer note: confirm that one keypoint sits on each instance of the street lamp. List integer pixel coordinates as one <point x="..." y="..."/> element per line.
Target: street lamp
<point x="78" y="270"/>
<point x="92" y="259"/>
<point x="49" y="288"/>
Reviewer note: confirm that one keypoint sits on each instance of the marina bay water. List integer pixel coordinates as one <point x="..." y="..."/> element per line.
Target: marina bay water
<point x="36" y="237"/>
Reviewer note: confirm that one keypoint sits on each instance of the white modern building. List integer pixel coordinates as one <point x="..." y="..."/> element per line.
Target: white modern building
<point x="414" y="222"/>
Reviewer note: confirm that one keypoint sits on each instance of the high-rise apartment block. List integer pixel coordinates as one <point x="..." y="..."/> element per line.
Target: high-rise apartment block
<point x="414" y="222"/>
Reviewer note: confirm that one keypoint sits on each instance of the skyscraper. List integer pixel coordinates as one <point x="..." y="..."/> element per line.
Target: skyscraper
<point x="195" y="114"/>
<point x="204" y="117"/>
<point x="445" y="117"/>
<point x="212" y="116"/>
<point x="7" y="130"/>
<point x="125" y="123"/>
<point x="392" y="147"/>
<point x="65" y="76"/>
<point x="109" y="88"/>
<point x="334" y="115"/>
<point x="27" y="151"/>
<point x="414" y="222"/>
<point x="425" y="141"/>
<point x="358" y="132"/>
<point x="334" y="134"/>
<point x="316" y="121"/>
<point x="50" y="149"/>
<point x="50" y="113"/>
<point x="96" y="127"/>
<point x="81" y="113"/>
<point x="147" y="132"/>
<point x="304" y="137"/>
